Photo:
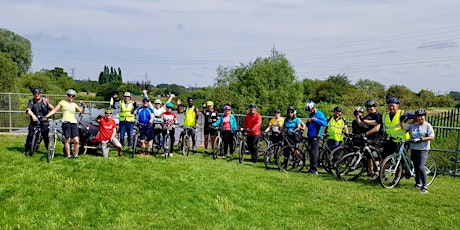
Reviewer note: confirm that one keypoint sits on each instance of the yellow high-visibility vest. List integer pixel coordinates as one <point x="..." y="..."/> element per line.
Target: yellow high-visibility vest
<point x="392" y="128"/>
<point x="125" y="111"/>
<point x="335" y="129"/>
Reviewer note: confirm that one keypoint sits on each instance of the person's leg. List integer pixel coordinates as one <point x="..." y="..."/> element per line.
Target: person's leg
<point x="173" y="139"/>
<point x="213" y="139"/>
<point x="30" y="135"/>
<point x="105" y="148"/>
<point x="117" y="145"/>
<point x="206" y="139"/>
<point x="130" y="130"/>
<point x="314" y="149"/>
<point x="122" y="132"/>
<point x="76" y="140"/>
<point x="45" y="135"/>
<point x="191" y="133"/>
<point x="226" y="140"/>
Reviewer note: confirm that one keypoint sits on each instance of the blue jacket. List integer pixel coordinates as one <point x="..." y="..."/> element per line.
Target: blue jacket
<point x="220" y="122"/>
<point x="315" y="128"/>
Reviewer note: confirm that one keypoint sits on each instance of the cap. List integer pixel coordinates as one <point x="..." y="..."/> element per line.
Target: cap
<point x="158" y="101"/>
<point x="227" y="107"/>
<point x="210" y="103"/>
<point x="127" y="94"/>
<point x="252" y="105"/>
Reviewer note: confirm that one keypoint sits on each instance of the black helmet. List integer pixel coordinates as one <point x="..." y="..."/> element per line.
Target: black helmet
<point x="290" y="108"/>
<point x="420" y="112"/>
<point x="338" y="108"/>
<point x="252" y="105"/>
<point x="393" y="100"/>
<point x="188" y="98"/>
<point x="370" y="103"/>
<point x="36" y="90"/>
<point x="277" y="111"/>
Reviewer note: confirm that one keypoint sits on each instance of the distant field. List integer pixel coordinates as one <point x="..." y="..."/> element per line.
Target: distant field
<point x="197" y="192"/>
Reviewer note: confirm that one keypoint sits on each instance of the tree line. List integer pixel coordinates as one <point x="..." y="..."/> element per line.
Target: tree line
<point x="270" y="82"/>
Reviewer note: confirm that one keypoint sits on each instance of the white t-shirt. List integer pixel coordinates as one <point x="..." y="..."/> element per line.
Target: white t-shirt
<point x="417" y="131"/>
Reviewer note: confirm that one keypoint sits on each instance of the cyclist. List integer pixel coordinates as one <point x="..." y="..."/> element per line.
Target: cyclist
<point x="373" y="132"/>
<point x="158" y="110"/>
<point x="335" y="130"/>
<point x="421" y="133"/>
<point x="315" y="123"/>
<point x="210" y="116"/>
<point x="227" y="123"/>
<point x="169" y="122"/>
<point x="145" y="118"/>
<point x="275" y="125"/>
<point x="190" y="120"/>
<point x="126" y="123"/>
<point x="252" y="122"/>
<point x="390" y="122"/>
<point x="37" y="107"/>
<point x="107" y="133"/>
<point x="69" y="122"/>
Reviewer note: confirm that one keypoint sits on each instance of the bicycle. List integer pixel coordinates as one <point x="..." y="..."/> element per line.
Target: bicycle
<point x="286" y="153"/>
<point x="37" y="136"/>
<point x="184" y="141"/>
<point x="54" y="136"/>
<point x="165" y="144"/>
<point x="398" y="164"/>
<point x="136" y="136"/>
<point x="352" y="165"/>
<point x="218" y="145"/>
<point x="328" y="157"/>
<point x="241" y="144"/>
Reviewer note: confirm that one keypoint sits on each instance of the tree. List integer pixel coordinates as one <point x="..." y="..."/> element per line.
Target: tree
<point x="8" y="73"/>
<point x="110" y="75"/>
<point x="455" y="95"/>
<point x="404" y="94"/>
<point x="17" y="48"/>
<point x="334" y="89"/>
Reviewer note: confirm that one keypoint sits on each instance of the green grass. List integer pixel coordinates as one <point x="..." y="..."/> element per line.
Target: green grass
<point x="197" y="192"/>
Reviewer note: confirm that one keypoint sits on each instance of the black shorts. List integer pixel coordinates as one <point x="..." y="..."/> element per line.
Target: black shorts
<point x="209" y="131"/>
<point x="70" y="129"/>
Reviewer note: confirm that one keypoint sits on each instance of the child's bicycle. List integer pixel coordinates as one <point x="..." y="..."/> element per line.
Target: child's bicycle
<point x="399" y="164"/>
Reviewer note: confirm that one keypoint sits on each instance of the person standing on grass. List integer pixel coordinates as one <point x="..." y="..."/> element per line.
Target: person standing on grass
<point x="421" y="133"/>
<point x="69" y="121"/>
<point x="170" y="121"/>
<point x="227" y="123"/>
<point x="127" y="108"/>
<point x="252" y="122"/>
<point x="145" y="119"/>
<point x="37" y="107"/>
<point x="315" y="124"/>
<point x="191" y="114"/>
<point x="210" y="116"/>
<point x="275" y="125"/>
<point x="107" y="133"/>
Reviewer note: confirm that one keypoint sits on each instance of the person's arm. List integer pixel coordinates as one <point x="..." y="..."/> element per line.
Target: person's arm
<point x="345" y="128"/>
<point x="58" y="106"/>
<point x="303" y="125"/>
<point x="197" y="114"/>
<point x="321" y="119"/>
<point x="370" y="122"/>
<point x="373" y="130"/>
<point x="270" y="125"/>
<point x="325" y="130"/>
<point x="82" y="109"/>
<point x="152" y="116"/>
<point x="217" y="123"/>
<point x="29" y="111"/>
<point x="258" y="123"/>
<point x="48" y="104"/>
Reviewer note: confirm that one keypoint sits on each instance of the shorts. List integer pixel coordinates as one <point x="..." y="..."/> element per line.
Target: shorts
<point x="146" y="133"/>
<point x="105" y="146"/>
<point x="209" y="131"/>
<point x="276" y="138"/>
<point x="70" y="129"/>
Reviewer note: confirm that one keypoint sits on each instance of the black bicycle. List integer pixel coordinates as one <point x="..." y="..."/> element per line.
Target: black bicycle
<point x="37" y="135"/>
<point x="285" y="155"/>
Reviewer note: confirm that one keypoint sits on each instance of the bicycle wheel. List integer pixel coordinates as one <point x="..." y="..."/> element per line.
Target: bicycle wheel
<point x="236" y="147"/>
<point x="242" y="151"/>
<point x="33" y="146"/>
<point x="350" y="167"/>
<point x="51" y="148"/>
<point x="271" y="156"/>
<point x="262" y="147"/>
<point x="329" y="158"/>
<point x="167" y="146"/>
<point x="431" y="169"/>
<point x="186" y="145"/>
<point x="218" y="148"/>
<point x="290" y="158"/>
<point x="390" y="171"/>
<point x="135" y="144"/>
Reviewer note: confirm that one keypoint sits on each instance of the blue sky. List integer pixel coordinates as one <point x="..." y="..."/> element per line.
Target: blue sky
<point x="411" y="43"/>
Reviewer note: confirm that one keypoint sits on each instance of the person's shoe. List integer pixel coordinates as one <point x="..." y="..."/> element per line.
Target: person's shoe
<point x="205" y="152"/>
<point x="120" y="155"/>
<point x="147" y="155"/>
<point x="76" y="157"/>
<point x="170" y="155"/>
<point x="417" y="186"/>
<point x="69" y="157"/>
<point x="130" y="149"/>
<point x="424" y="190"/>
<point x="314" y="173"/>
<point x="24" y="152"/>
<point x="163" y="155"/>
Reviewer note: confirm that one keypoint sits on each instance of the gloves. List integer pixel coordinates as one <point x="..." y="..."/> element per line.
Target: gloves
<point x="361" y="118"/>
<point x="416" y="140"/>
<point x="135" y="104"/>
<point x="356" y="112"/>
<point x="402" y="118"/>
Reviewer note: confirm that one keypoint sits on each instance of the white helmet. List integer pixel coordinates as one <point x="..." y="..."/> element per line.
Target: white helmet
<point x="71" y="92"/>
<point x="310" y="105"/>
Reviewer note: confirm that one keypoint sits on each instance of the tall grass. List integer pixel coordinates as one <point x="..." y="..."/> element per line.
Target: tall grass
<point x="197" y="192"/>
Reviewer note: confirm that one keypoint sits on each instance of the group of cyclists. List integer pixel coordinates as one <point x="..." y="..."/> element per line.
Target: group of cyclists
<point x="157" y="118"/>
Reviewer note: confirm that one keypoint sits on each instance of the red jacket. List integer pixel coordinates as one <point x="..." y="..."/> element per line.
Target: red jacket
<point x="253" y="122"/>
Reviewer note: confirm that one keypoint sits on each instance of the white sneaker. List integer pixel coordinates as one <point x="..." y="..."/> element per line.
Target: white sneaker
<point x="170" y="155"/>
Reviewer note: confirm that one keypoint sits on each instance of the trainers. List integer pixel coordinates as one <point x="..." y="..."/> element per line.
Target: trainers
<point x="424" y="190"/>
<point x="314" y="173"/>
<point x="417" y="186"/>
<point x="69" y="157"/>
<point x="170" y="155"/>
<point x="130" y="149"/>
<point x="205" y="152"/>
<point x="76" y="157"/>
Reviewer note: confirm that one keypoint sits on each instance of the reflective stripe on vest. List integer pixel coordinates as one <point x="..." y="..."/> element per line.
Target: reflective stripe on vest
<point x="125" y="111"/>
<point x="392" y="128"/>
<point x="190" y="117"/>
<point x="335" y="129"/>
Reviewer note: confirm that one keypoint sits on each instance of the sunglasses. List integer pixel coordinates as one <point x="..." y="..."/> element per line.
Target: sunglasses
<point x="37" y="93"/>
<point x="109" y="113"/>
<point x="72" y="96"/>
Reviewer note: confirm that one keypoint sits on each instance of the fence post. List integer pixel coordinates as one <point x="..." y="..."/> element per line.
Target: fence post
<point x="10" y="113"/>
<point x="456" y="153"/>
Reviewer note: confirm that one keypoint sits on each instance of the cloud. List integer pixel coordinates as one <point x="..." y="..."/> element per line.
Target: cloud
<point x="438" y="45"/>
<point x="42" y="35"/>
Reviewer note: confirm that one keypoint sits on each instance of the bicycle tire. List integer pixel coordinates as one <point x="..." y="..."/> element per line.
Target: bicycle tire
<point x="217" y="148"/>
<point x="34" y="143"/>
<point x="167" y="146"/>
<point x="186" y="145"/>
<point x="290" y="158"/>
<point x="241" y="153"/>
<point x="350" y="167"/>
<point x="262" y="147"/>
<point x="327" y="159"/>
<point x="431" y="169"/>
<point x="390" y="171"/>
<point x="51" y="148"/>
<point x="270" y="156"/>
<point x="135" y="143"/>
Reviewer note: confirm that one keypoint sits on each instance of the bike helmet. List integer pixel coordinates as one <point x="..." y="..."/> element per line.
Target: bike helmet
<point x="158" y="101"/>
<point x="169" y="105"/>
<point x="189" y="98"/>
<point x="145" y="99"/>
<point x="310" y="105"/>
<point x="359" y="109"/>
<point x="290" y="109"/>
<point x="370" y="103"/>
<point x="227" y="107"/>
<point x="393" y="100"/>
<point x="252" y="105"/>
<point x="210" y="103"/>
<point x="108" y="111"/>
<point x="338" y="109"/>
<point x="71" y="92"/>
<point x="36" y="90"/>
<point x="420" y="112"/>
<point x="277" y="111"/>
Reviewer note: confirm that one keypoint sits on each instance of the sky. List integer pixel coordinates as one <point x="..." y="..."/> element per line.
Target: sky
<point x="414" y="43"/>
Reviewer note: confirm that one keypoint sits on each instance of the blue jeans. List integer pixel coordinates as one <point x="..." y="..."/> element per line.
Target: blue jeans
<point x="126" y="127"/>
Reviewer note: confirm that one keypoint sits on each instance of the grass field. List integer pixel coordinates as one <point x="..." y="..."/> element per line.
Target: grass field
<point x="197" y="192"/>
